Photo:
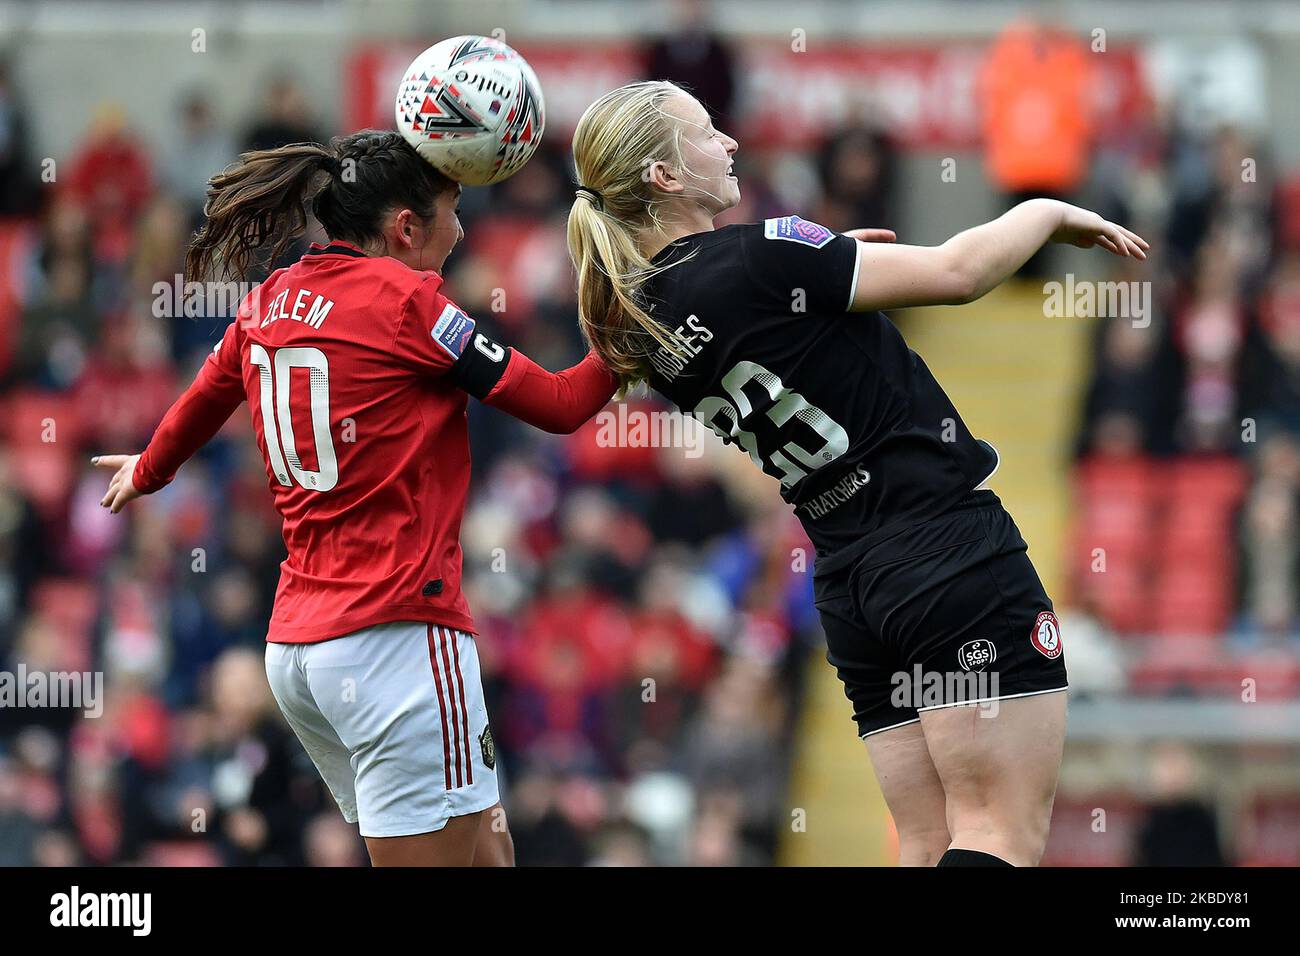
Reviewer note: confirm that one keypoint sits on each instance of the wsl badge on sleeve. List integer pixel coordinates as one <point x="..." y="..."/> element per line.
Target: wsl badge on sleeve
<point x="453" y="330"/>
<point x="795" y="229"/>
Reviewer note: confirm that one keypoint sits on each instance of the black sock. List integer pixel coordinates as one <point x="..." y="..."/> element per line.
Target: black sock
<point x="970" y="858"/>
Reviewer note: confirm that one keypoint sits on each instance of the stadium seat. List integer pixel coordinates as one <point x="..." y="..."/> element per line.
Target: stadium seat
<point x="1080" y="836"/>
<point x="35" y="417"/>
<point x="1188" y="663"/>
<point x="46" y="474"/>
<point x="1193" y="599"/>
<point x="1268" y="832"/>
<point x="70" y="605"/>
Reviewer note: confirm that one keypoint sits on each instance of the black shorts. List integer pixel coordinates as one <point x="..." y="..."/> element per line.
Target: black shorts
<point x="946" y="612"/>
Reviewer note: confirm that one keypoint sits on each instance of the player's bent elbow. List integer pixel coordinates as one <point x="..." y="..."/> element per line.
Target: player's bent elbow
<point x="962" y="286"/>
<point x="557" y="425"/>
<point x="570" y="425"/>
<point x="954" y="275"/>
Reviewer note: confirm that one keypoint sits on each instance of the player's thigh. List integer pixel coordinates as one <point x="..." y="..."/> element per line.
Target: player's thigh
<point x="999" y="761"/>
<point x="454" y="845"/>
<point x="331" y="756"/>
<point x="909" y="782"/>
<point x="407" y="700"/>
<point x="495" y="846"/>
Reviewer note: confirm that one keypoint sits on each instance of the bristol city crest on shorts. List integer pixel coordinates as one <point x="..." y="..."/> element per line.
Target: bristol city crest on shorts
<point x="976" y="655"/>
<point x="1046" y="636"/>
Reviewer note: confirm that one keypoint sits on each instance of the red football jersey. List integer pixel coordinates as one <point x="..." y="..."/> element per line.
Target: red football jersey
<point x="356" y="371"/>
<point x="343" y="360"/>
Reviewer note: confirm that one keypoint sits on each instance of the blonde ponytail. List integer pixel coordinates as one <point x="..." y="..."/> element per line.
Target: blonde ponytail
<point x="616" y="140"/>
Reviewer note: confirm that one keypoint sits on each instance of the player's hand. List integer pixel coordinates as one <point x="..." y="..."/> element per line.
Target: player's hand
<point x="121" y="488"/>
<point x="1085" y="229"/>
<point x="873" y="235"/>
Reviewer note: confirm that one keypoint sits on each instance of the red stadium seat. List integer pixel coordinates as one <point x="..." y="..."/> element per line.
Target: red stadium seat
<point x="46" y="474"/>
<point x="1214" y="481"/>
<point x="34" y="417"/>
<point x="1121" y="596"/>
<point x="1116" y="519"/>
<point x="1275" y="673"/>
<point x="1192" y="599"/>
<point x="70" y="605"/>
<point x="1288" y="195"/>
<point x="1268" y="832"/>
<point x="181" y="853"/>
<point x="1173" y="664"/>
<point x="1097" y="830"/>
<point x="16" y="239"/>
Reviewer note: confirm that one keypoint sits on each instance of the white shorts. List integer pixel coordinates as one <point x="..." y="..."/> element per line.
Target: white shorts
<point x="394" y="719"/>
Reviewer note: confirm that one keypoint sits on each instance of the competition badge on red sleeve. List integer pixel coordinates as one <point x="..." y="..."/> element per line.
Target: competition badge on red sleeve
<point x="453" y="330"/>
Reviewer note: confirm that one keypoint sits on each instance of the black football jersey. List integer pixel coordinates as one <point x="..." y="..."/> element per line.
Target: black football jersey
<point x="830" y="402"/>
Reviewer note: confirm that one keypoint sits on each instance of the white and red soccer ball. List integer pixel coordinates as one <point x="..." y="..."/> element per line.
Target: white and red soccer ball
<point x="472" y="107"/>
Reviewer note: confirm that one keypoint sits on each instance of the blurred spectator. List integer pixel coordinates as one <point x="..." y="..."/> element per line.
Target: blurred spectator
<point x="201" y="149"/>
<point x="1210" y="328"/>
<point x="286" y="118"/>
<point x="60" y="319"/>
<point x="1180" y="828"/>
<point x="622" y="844"/>
<point x="691" y="54"/>
<point x="729" y="755"/>
<point x="543" y="834"/>
<point x="18" y="194"/>
<point x="331" y="841"/>
<point x="112" y="177"/>
<point x="856" y="170"/>
<point x="1271" y="538"/>
<point x="1037" y="135"/>
<point x="1135" y="379"/>
<point x="1270" y="373"/>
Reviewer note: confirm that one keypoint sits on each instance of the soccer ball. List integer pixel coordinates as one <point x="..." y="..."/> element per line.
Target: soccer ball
<point x="473" y="108"/>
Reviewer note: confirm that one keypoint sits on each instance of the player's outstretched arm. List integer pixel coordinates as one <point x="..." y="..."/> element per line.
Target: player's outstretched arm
<point x="972" y="263"/>
<point x="188" y="425"/>
<point x="556" y="402"/>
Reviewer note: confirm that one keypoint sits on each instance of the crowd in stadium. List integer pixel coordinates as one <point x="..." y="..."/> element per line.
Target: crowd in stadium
<point x="644" y="613"/>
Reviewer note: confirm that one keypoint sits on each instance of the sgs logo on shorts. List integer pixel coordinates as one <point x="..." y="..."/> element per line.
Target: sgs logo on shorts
<point x="976" y="655"/>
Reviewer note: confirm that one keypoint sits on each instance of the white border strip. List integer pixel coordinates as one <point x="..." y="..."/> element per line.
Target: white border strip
<point x="962" y="703"/>
<point x="853" y="286"/>
<point x="996" y="465"/>
<point x="989" y="700"/>
<point x="890" y="727"/>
